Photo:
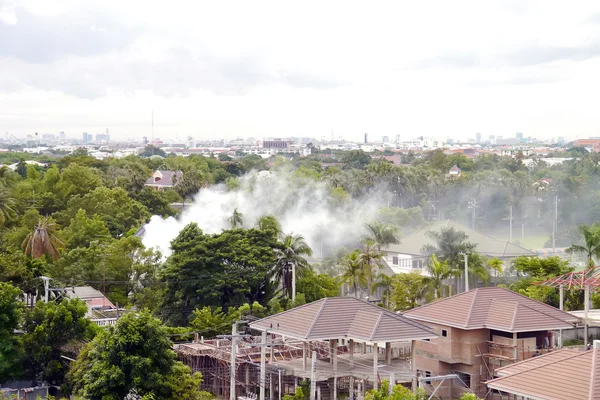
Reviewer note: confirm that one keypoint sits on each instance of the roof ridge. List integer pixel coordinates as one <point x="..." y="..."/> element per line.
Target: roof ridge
<point x="381" y="313"/>
<point x="472" y="305"/>
<point x="412" y="322"/>
<point x="314" y="322"/>
<point x="435" y="302"/>
<point x="544" y="312"/>
<point x="514" y="318"/>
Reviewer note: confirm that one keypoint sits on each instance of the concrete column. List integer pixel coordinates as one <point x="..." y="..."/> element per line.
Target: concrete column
<point x="351" y="388"/>
<point x="334" y="387"/>
<point x="364" y="349"/>
<point x="271" y="388"/>
<point x="388" y="353"/>
<point x="304" y="356"/>
<point x="332" y="343"/>
<point x="586" y="308"/>
<point x="334" y="357"/>
<point x="392" y="382"/>
<point x="375" y="382"/>
<point x="413" y="364"/>
<point x="351" y="351"/>
<point x="515" y="349"/>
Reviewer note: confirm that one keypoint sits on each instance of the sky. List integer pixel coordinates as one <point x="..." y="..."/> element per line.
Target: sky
<point x="212" y="69"/>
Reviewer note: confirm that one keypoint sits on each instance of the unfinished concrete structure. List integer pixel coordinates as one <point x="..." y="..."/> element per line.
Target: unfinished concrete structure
<point x="482" y="330"/>
<point x="356" y="345"/>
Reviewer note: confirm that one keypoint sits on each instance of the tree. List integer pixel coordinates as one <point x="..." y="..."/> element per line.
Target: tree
<point x="134" y="356"/>
<point x="43" y="240"/>
<point x="269" y="222"/>
<point x="226" y="269"/>
<point x="385" y="283"/>
<point x="352" y="270"/>
<point x="11" y="349"/>
<point x="290" y="256"/>
<point x="84" y="230"/>
<point x="398" y="392"/>
<point x="77" y="180"/>
<point x="236" y="219"/>
<point x="151" y="150"/>
<point x="317" y="286"/>
<point x="49" y="328"/>
<point x="439" y="271"/>
<point x="382" y="234"/>
<point x="7" y="205"/>
<point x="410" y="290"/>
<point x="591" y="247"/>
<point x="370" y="257"/>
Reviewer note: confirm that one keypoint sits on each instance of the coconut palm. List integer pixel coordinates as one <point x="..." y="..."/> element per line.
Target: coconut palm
<point x="370" y="258"/>
<point x="382" y="234"/>
<point x="591" y="248"/>
<point x="385" y="283"/>
<point x="43" y="240"/>
<point x="7" y="204"/>
<point x="236" y="219"/>
<point x="291" y="262"/>
<point x="269" y="223"/>
<point x="439" y="271"/>
<point x="352" y="270"/>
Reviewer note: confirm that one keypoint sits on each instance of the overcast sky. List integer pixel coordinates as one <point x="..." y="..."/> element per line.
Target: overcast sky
<point x="282" y="68"/>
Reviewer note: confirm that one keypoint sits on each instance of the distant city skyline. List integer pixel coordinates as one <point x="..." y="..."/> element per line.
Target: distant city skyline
<point x="275" y="69"/>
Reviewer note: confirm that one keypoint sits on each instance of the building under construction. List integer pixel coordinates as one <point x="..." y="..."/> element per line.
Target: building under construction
<point x="343" y="345"/>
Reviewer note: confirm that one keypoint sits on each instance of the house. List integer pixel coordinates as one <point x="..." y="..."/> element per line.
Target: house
<point x="454" y="172"/>
<point x="352" y="344"/>
<point x="561" y="375"/>
<point x="101" y="310"/>
<point x="481" y="331"/>
<point x="161" y="179"/>
<point x="406" y="256"/>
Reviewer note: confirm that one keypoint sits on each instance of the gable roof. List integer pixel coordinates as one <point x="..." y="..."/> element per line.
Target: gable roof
<point x="455" y="168"/>
<point x="493" y="308"/>
<point x="343" y="318"/>
<point x="573" y="375"/>
<point x="166" y="178"/>
<point x="412" y="244"/>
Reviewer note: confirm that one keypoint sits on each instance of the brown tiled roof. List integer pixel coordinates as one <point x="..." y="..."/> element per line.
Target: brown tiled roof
<point x="168" y="178"/>
<point x="343" y="318"/>
<point x="573" y="377"/>
<point x="534" y="362"/>
<point x="493" y="308"/>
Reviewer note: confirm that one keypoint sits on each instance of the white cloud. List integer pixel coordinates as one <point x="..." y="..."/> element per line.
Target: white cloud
<point x="278" y="68"/>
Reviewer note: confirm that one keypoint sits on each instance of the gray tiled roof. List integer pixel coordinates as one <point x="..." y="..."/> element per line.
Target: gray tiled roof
<point x="343" y="318"/>
<point x="493" y="308"/>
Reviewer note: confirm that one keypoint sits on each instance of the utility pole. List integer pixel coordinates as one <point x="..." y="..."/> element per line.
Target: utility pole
<point x="46" y="287"/>
<point x="466" y="271"/>
<point x="293" y="282"/>
<point x="233" y="358"/>
<point x="511" y="218"/>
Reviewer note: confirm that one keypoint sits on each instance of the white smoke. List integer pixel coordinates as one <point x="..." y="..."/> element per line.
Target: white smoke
<point x="302" y="206"/>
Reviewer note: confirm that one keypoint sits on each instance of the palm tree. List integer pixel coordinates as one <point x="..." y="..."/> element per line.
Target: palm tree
<point x="370" y="257"/>
<point x="439" y="271"/>
<point x="291" y="261"/>
<point x="382" y="234"/>
<point x="591" y="248"/>
<point x="7" y="204"/>
<point x="236" y="219"/>
<point x="385" y="283"/>
<point x="352" y="270"/>
<point x="43" y="240"/>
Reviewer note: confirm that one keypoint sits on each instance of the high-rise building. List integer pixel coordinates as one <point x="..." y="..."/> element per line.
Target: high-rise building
<point x="385" y="139"/>
<point x="478" y="137"/>
<point x="492" y="139"/>
<point x="87" y="137"/>
<point x="366" y="138"/>
<point x="102" y="137"/>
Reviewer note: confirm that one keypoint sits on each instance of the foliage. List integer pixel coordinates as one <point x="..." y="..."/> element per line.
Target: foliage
<point x="133" y="355"/>
<point x="370" y="258"/>
<point x="49" y="327"/>
<point x="398" y="392"/>
<point x="591" y="246"/>
<point x="11" y="350"/>
<point x="316" y="286"/>
<point x="43" y="241"/>
<point x="234" y="268"/>
<point x="290" y="252"/>
<point x="352" y="270"/>
<point x="410" y="290"/>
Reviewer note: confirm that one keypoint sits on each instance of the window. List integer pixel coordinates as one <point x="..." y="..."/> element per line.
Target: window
<point x="417" y="263"/>
<point x="395" y="260"/>
<point x="444" y="333"/>
<point x="465" y="378"/>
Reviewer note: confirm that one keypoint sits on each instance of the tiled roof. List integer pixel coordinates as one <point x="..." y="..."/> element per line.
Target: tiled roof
<point x="534" y="362"/>
<point x="487" y="245"/>
<point x="572" y="376"/>
<point x="343" y="318"/>
<point x="166" y="178"/>
<point x="493" y="308"/>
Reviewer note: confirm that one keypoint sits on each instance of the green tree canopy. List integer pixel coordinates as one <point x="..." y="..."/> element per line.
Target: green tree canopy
<point x="11" y="350"/>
